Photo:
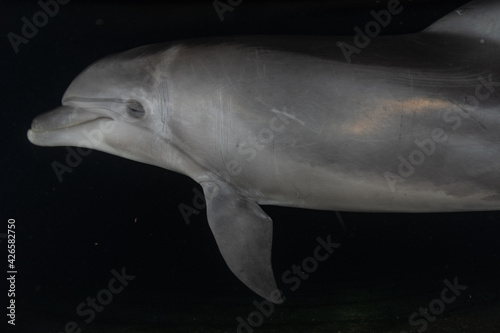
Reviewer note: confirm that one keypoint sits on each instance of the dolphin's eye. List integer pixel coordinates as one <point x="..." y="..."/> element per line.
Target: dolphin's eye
<point x="135" y="109"/>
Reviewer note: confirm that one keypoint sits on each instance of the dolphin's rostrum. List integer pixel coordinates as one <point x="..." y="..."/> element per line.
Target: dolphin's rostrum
<point x="412" y="124"/>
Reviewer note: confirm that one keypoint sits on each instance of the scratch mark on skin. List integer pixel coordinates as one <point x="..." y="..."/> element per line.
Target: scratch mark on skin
<point x="476" y="120"/>
<point x="321" y="129"/>
<point x="470" y="114"/>
<point x="308" y="193"/>
<point x="257" y="64"/>
<point x="227" y="76"/>
<point x="411" y="81"/>
<point x="219" y="124"/>
<point x="275" y="161"/>
<point x="242" y="69"/>
<point x="309" y="144"/>
<point x="207" y="70"/>
<point x="289" y="116"/>
<point x="400" y="128"/>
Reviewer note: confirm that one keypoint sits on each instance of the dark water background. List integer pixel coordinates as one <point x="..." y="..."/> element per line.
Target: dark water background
<point x="113" y="214"/>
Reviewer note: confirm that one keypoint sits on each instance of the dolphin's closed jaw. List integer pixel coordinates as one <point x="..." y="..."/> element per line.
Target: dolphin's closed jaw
<point x="61" y="117"/>
<point x="54" y="127"/>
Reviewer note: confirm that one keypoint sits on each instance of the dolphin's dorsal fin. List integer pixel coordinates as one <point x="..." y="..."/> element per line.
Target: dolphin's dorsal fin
<point x="477" y="19"/>
<point x="244" y="235"/>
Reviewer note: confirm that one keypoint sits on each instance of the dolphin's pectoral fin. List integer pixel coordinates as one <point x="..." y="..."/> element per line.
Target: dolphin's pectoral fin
<point x="244" y="234"/>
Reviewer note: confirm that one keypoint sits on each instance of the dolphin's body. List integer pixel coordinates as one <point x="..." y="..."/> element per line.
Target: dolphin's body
<point x="412" y="124"/>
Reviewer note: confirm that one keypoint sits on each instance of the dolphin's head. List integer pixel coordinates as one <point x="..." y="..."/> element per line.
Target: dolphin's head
<point x="117" y="105"/>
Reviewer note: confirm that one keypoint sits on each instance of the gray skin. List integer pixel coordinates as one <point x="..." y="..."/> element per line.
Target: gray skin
<point x="412" y="124"/>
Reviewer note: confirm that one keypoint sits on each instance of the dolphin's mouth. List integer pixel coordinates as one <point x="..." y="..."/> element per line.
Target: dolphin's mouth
<point x="62" y="117"/>
<point x="61" y="126"/>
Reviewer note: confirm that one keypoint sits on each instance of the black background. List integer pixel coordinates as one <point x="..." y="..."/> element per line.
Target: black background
<point x="111" y="213"/>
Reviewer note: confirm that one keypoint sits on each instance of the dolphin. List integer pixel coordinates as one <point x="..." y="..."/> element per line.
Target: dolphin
<point x="404" y="123"/>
